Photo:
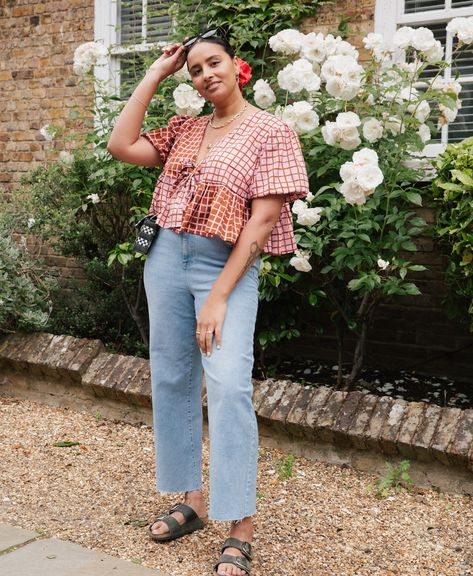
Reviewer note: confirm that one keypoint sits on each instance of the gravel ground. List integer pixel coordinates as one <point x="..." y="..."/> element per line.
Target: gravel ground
<point x="318" y="522"/>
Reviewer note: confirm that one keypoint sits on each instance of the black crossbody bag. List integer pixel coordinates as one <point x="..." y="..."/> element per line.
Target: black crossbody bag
<point x="147" y="232"/>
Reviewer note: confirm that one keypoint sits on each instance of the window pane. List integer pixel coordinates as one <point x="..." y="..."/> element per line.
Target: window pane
<point x="130" y="18"/>
<point x="463" y="125"/>
<point x="132" y="70"/>
<point x="463" y="61"/>
<point x="462" y="4"/>
<point x="159" y="21"/>
<point x="414" y="6"/>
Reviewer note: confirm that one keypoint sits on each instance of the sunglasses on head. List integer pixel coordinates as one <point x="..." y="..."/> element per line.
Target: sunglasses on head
<point x="211" y="32"/>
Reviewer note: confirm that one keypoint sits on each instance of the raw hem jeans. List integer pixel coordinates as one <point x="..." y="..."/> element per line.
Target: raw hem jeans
<point x="179" y="272"/>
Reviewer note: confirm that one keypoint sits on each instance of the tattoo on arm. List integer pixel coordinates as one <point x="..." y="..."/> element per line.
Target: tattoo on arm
<point x="255" y="251"/>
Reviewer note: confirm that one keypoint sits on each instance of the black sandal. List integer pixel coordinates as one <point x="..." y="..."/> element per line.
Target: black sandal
<point x="242" y="562"/>
<point x="191" y="523"/>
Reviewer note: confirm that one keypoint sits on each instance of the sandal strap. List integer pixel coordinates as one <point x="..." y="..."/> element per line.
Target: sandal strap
<point x="188" y="512"/>
<point x="244" y="547"/>
<point x="239" y="561"/>
<point x="170" y="522"/>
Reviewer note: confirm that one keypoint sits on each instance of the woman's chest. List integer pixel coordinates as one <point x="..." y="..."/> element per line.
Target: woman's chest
<point x="230" y="161"/>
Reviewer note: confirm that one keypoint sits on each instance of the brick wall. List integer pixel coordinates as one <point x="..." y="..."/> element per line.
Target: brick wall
<point x="37" y="83"/>
<point x="38" y="87"/>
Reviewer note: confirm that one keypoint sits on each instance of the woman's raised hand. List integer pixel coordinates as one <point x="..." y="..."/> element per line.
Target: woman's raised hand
<point x="171" y="60"/>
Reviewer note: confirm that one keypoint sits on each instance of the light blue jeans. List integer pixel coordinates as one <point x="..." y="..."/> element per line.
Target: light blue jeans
<point x="179" y="272"/>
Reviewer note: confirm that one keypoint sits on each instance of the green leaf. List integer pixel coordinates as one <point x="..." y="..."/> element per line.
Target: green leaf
<point x="409" y="246"/>
<point x="411" y="289"/>
<point x="65" y="444"/>
<point x="364" y="237"/>
<point x="415" y="198"/>
<point x="463" y="177"/>
<point x="417" y="268"/>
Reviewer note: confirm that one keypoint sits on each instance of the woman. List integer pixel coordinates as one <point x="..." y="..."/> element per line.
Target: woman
<point x="222" y="199"/>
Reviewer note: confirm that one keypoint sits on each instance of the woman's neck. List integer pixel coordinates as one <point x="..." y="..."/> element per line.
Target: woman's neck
<point x="223" y="111"/>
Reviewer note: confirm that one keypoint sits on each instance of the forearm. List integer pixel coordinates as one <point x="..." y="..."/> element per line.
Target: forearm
<point x="248" y="247"/>
<point x="128" y="125"/>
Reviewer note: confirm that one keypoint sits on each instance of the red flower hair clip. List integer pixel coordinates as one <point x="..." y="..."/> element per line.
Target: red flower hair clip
<point x="244" y="74"/>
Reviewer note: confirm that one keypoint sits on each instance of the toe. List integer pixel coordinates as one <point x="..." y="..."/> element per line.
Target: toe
<point x="159" y="528"/>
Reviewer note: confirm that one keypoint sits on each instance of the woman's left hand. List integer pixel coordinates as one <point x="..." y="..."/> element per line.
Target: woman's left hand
<point x="210" y="320"/>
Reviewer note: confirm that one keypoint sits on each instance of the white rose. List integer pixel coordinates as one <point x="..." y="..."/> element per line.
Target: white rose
<point x="94" y="198"/>
<point x="313" y="47"/>
<point x="47" y="132"/>
<point x="347" y="143"/>
<point x="330" y="133"/>
<point x="403" y="37"/>
<point x="421" y="111"/>
<point x="264" y="95"/>
<point x="424" y="132"/>
<point x="66" y="157"/>
<point x="299" y="206"/>
<point x="448" y="114"/>
<point x="465" y="32"/>
<point x="302" y="65"/>
<point x="264" y="99"/>
<point x="182" y="75"/>
<point x="87" y="55"/>
<point x="435" y="53"/>
<point x="347" y="171"/>
<point x="369" y="177"/>
<point x="330" y="43"/>
<point x="341" y="89"/>
<point x="290" y="79"/>
<point x="301" y="117"/>
<point x="383" y="264"/>
<point x="309" y="197"/>
<point x="287" y="41"/>
<point x="373" y="41"/>
<point x="423" y="39"/>
<point x="309" y="217"/>
<point x="346" y="120"/>
<point x="288" y="114"/>
<point x="31" y="222"/>
<point x="344" y="48"/>
<point x="446" y="85"/>
<point x="301" y="261"/>
<point x="187" y="100"/>
<point x="365" y="157"/>
<point x="463" y="28"/>
<point x="353" y="193"/>
<point x="372" y="130"/>
<point x="312" y="83"/>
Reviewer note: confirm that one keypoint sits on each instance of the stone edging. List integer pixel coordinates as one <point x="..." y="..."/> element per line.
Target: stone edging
<point x="349" y="420"/>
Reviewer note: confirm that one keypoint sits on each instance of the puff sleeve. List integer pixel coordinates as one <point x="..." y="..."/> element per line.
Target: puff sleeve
<point x="163" y="138"/>
<point x="280" y="167"/>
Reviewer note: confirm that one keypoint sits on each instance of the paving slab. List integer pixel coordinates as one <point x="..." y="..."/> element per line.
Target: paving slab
<point x="13" y="536"/>
<point x="53" y="557"/>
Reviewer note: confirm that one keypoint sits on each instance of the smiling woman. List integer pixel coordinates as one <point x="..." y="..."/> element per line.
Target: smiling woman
<point x="222" y="199"/>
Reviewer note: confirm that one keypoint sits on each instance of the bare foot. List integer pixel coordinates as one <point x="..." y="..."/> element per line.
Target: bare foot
<point x="243" y="531"/>
<point x="193" y="499"/>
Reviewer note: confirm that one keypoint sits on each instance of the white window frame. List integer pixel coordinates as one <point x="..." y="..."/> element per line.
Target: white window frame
<point x="389" y="14"/>
<point x="106" y="31"/>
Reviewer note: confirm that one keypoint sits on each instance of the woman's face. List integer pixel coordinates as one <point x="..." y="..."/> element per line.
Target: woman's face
<point x="213" y="71"/>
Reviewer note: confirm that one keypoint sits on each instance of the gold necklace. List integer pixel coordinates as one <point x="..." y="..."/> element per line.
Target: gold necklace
<point x="231" y="119"/>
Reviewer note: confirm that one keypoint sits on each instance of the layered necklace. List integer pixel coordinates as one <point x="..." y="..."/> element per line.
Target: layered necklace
<point x="234" y="117"/>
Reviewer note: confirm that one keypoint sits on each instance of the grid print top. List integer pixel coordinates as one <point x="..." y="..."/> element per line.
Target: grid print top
<point x="261" y="156"/>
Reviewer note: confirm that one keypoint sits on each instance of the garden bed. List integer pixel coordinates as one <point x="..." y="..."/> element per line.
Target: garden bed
<point x="411" y="386"/>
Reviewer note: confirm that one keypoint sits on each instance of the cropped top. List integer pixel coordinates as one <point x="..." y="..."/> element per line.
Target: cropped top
<point x="261" y="156"/>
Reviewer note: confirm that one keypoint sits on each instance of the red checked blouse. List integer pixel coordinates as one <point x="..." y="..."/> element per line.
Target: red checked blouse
<point x="261" y="156"/>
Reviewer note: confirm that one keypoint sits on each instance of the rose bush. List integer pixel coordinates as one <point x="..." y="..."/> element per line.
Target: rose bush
<point x="360" y="127"/>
